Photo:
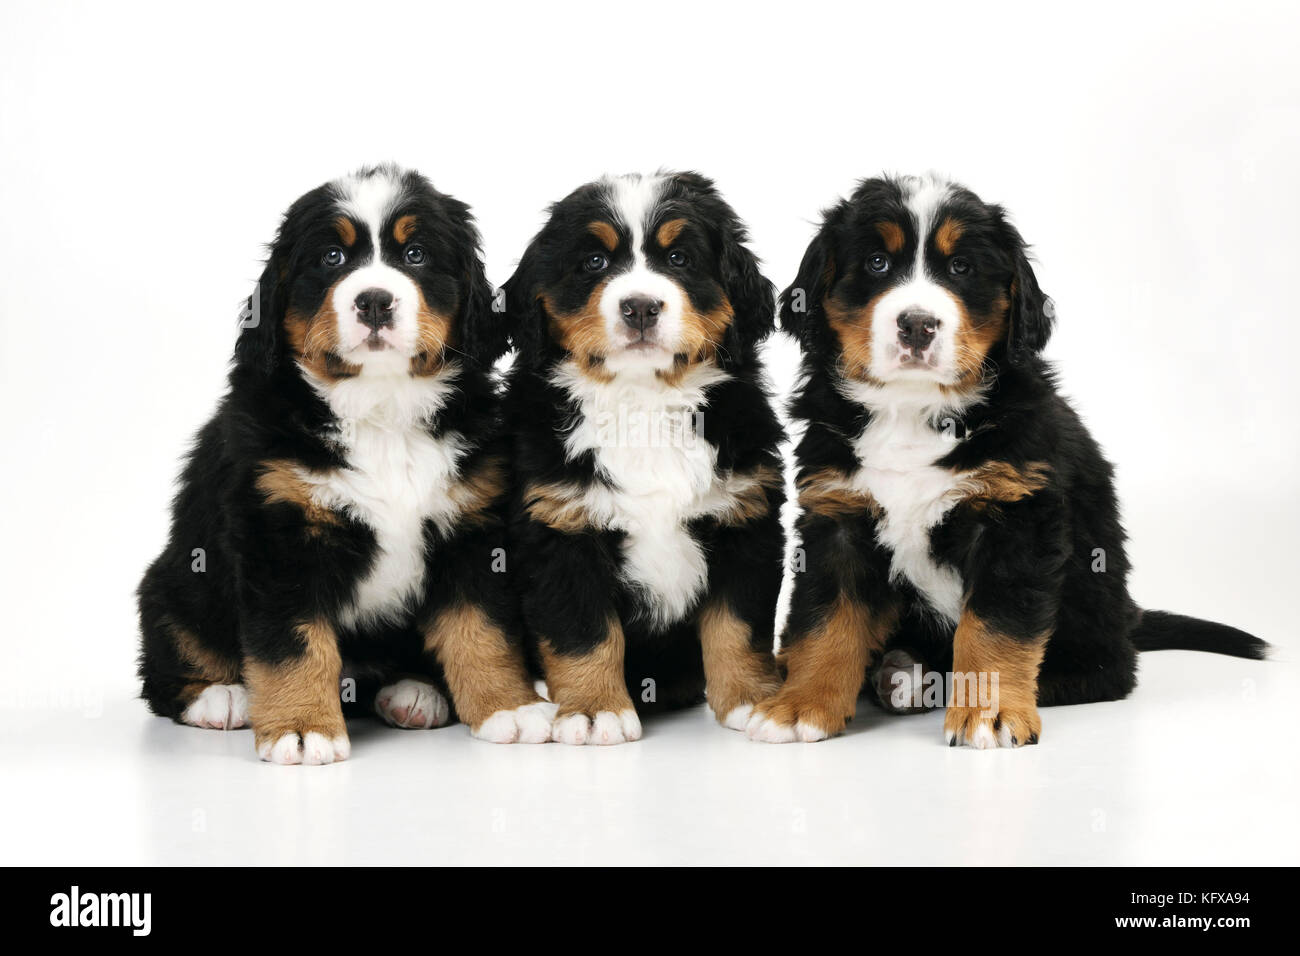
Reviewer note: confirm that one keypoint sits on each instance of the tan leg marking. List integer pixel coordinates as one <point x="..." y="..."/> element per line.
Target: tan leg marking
<point x="1007" y="716"/>
<point x="591" y="692"/>
<point x="826" y="670"/>
<point x="485" y="672"/>
<point x="204" y="665"/>
<point x="737" y="675"/>
<point x="298" y="697"/>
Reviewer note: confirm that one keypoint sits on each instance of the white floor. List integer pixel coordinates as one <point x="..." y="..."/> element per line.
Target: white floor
<point x="1197" y="767"/>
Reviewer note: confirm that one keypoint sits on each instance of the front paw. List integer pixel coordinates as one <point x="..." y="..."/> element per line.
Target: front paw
<point x="985" y="730"/>
<point x="791" y="716"/>
<point x="526" y="724"/>
<point x="412" y="704"/>
<point x="734" y="710"/>
<point x="603" y="728"/>
<point x="304" y="746"/>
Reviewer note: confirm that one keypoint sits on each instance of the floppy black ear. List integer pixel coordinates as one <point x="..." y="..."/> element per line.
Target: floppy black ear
<point x="480" y="328"/>
<point x="801" y="302"/>
<point x="483" y="336"/>
<point x="752" y="296"/>
<point x="1033" y="314"/>
<point x="525" y="320"/>
<point x="260" y="338"/>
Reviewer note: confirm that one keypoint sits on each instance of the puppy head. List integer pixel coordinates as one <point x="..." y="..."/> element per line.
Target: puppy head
<point x="376" y="273"/>
<point x="640" y="275"/>
<point x="917" y="279"/>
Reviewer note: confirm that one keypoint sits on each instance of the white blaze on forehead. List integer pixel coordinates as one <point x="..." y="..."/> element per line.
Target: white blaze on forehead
<point x="923" y="195"/>
<point x="632" y="199"/>
<point x="369" y="199"/>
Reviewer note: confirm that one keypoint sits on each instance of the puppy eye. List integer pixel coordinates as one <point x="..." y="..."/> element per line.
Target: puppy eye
<point x="879" y="263"/>
<point x="415" y="254"/>
<point x="596" y="263"/>
<point x="678" y="258"/>
<point x="958" y="266"/>
<point x="333" y="258"/>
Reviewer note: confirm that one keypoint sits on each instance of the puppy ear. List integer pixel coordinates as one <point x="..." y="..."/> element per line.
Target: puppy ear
<point x="801" y="302"/>
<point x="260" y="341"/>
<point x="752" y="296"/>
<point x="482" y="336"/>
<point x="525" y="320"/>
<point x="1033" y="314"/>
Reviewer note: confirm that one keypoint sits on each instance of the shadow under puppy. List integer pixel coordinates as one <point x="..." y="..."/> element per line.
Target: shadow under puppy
<point x="954" y="510"/>
<point x="346" y="502"/>
<point x="645" y="522"/>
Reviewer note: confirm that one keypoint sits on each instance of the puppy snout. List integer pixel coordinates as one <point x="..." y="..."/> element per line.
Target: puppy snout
<point x="916" y="329"/>
<point x="640" y="312"/>
<point x="375" y="308"/>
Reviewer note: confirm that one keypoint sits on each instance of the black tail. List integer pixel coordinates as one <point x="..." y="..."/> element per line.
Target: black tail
<point x="1162" y="631"/>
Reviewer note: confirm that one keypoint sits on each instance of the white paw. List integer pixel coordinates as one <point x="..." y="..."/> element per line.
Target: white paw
<point x="311" y="748"/>
<point x="738" y="717"/>
<point x="605" y="729"/>
<point x="982" y="738"/>
<point x="809" y="733"/>
<point x="529" y="724"/>
<point x="770" y="731"/>
<point x="219" y="706"/>
<point x="412" y="704"/>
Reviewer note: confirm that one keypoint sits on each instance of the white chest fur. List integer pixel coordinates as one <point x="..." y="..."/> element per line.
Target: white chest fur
<point x="897" y="452"/>
<point x="397" y="477"/>
<point x="661" y="474"/>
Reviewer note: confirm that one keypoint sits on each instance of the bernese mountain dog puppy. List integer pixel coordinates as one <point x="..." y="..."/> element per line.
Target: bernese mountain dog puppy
<point x="955" y="514"/>
<point x="345" y="505"/>
<point x="648" y="483"/>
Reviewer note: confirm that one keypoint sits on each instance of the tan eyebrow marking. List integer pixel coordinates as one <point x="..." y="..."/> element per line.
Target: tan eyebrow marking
<point x="892" y="233"/>
<point x="606" y="233"/>
<point x="946" y="236"/>
<point x="403" y="228"/>
<point x="669" y="231"/>
<point x="347" y="232"/>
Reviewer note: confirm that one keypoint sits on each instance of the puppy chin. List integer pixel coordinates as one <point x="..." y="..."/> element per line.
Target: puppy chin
<point x="379" y="358"/>
<point x="896" y="365"/>
<point x="379" y="352"/>
<point x="646" y="356"/>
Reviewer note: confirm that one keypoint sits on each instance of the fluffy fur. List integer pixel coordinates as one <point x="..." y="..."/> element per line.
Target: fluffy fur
<point x="344" y="507"/>
<point x="645" y="523"/>
<point x="954" y="509"/>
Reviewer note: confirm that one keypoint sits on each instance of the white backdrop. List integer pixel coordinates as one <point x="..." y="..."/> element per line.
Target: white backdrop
<point x="148" y="151"/>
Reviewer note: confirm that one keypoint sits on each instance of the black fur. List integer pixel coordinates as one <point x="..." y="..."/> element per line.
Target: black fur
<point x="572" y="583"/>
<point x="1028" y="566"/>
<point x="268" y="567"/>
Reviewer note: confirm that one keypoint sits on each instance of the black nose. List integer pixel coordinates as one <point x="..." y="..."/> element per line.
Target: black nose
<point x="639" y="312"/>
<point x="916" y="329"/>
<point x="375" y="308"/>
